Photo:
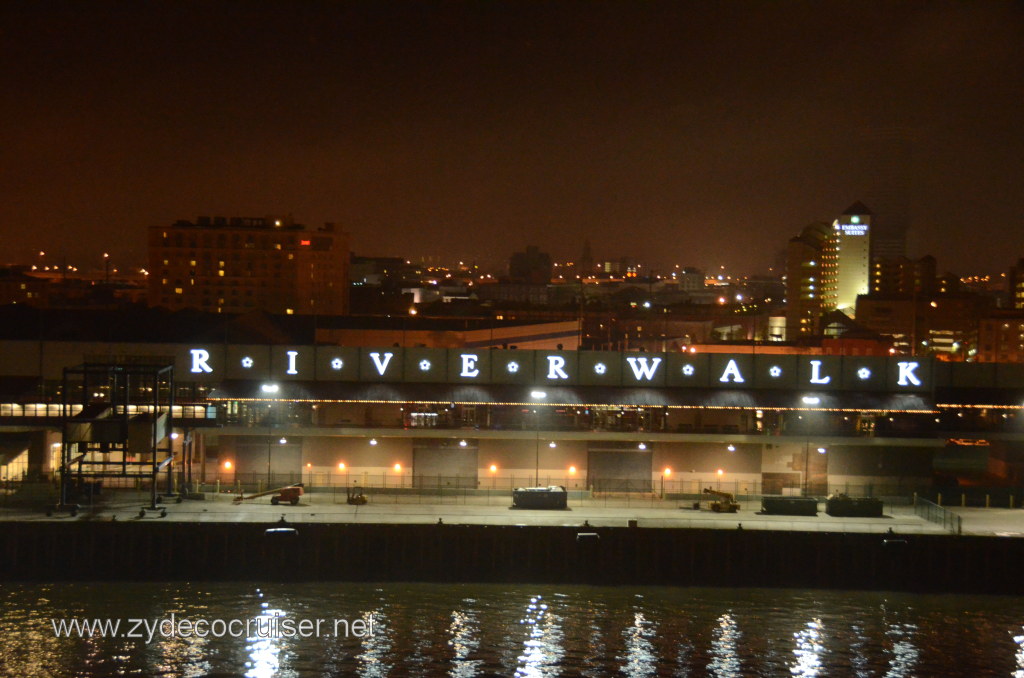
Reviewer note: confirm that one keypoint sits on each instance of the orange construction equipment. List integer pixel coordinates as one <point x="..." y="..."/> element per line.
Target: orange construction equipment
<point x="290" y="494"/>
<point x="725" y="501"/>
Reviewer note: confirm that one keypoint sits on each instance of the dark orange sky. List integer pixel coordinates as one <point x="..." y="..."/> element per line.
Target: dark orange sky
<point x="677" y="132"/>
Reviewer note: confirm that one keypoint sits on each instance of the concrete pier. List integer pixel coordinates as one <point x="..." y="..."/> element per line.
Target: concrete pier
<point x="214" y="540"/>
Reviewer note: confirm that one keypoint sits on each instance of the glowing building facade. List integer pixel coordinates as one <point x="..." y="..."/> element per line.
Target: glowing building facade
<point x="846" y="259"/>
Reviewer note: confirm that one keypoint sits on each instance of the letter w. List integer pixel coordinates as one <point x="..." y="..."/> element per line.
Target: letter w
<point x="85" y="628"/>
<point x="641" y="370"/>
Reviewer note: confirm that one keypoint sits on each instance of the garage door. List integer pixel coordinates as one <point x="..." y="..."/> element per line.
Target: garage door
<point x="443" y="464"/>
<point x="616" y="470"/>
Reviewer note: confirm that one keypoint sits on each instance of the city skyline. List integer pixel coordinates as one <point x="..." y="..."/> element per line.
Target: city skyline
<point x="669" y="133"/>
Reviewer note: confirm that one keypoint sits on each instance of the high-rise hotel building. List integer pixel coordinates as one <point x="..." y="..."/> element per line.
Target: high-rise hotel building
<point x="239" y="265"/>
<point x="846" y="260"/>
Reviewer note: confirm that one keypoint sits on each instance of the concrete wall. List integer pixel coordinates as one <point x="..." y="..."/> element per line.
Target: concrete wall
<point x="690" y="463"/>
<point x="518" y="459"/>
<point x="697" y="464"/>
<point x="892" y="462"/>
<point x="201" y="551"/>
<point x="358" y="455"/>
<point x="783" y="458"/>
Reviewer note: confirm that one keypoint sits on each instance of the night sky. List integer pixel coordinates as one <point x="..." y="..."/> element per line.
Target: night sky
<point x="697" y="133"/>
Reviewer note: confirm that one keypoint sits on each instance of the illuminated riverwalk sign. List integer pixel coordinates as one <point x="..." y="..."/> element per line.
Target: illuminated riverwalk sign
<point x="569" y="368"/>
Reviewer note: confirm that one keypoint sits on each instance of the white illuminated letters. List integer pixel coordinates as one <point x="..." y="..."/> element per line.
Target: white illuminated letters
<point x="199" y="358"/>
<point x="643" y="370"/>
<point x="555" y="365"/>
<point x="469" y="368"/>
<point x="816" y="377"/>
<point x="381" y="365"/>
<point x="731" y="370"/>
<point x="907" y="376"/>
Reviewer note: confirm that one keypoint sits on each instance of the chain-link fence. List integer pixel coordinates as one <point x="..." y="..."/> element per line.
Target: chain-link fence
<point x="934" y="513"/>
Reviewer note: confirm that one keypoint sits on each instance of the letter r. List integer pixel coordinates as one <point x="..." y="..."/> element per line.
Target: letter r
<point x="199" y="358"/>
<point x="555" y="365"/>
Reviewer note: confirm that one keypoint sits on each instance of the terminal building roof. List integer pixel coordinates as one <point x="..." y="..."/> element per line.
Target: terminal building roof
<point x="155" y="325"/>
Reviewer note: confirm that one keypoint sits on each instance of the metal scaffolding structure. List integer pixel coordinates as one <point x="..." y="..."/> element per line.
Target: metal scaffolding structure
<point x="121" y="430"/>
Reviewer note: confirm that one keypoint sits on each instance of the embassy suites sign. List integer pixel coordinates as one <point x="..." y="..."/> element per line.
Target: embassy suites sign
<point x="536" y="368"/>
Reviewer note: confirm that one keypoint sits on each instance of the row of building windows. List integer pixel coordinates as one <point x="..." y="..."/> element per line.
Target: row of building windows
<point x="225" y="241"/>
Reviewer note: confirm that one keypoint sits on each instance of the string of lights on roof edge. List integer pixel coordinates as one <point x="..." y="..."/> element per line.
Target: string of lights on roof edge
<point x="588" y="405"/>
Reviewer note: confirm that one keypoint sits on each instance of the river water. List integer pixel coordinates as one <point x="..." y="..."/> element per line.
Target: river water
<point x="525" y="630"/>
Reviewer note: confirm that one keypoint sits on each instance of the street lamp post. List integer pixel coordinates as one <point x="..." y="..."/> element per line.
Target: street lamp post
<point x="807" y="465"/>
<point x="270" y="447"/>
<point x="536" y="448"/>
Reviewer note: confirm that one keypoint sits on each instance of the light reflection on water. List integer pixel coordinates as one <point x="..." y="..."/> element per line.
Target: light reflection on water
<point x="264" y="645"/>
<point x="641" y="658"/>
<point x="858" y="659"/>
<point x="1019" y="673"/>
<point x="464" y="641"/>
<point x="189" y="653"/>
<point x="375" y="658"/>
<point x="808" y="650"/>
<point x="542" y="648"/>
<point x="725" y="661"/>
<point x="480" y="630"/>
<point x="904" y="652"/>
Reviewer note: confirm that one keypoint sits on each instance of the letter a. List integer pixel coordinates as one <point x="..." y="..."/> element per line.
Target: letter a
<point x="199" y="358"/>
<point x="643" y="370"/>
<point x="732" y="369"/>
<point x="816" y="377"/>
<point x="907" y="376"/>
<point x="381" y="364"/>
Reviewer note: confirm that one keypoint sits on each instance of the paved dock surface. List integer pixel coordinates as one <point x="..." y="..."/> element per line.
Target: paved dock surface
<point x="329" y="507"/>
